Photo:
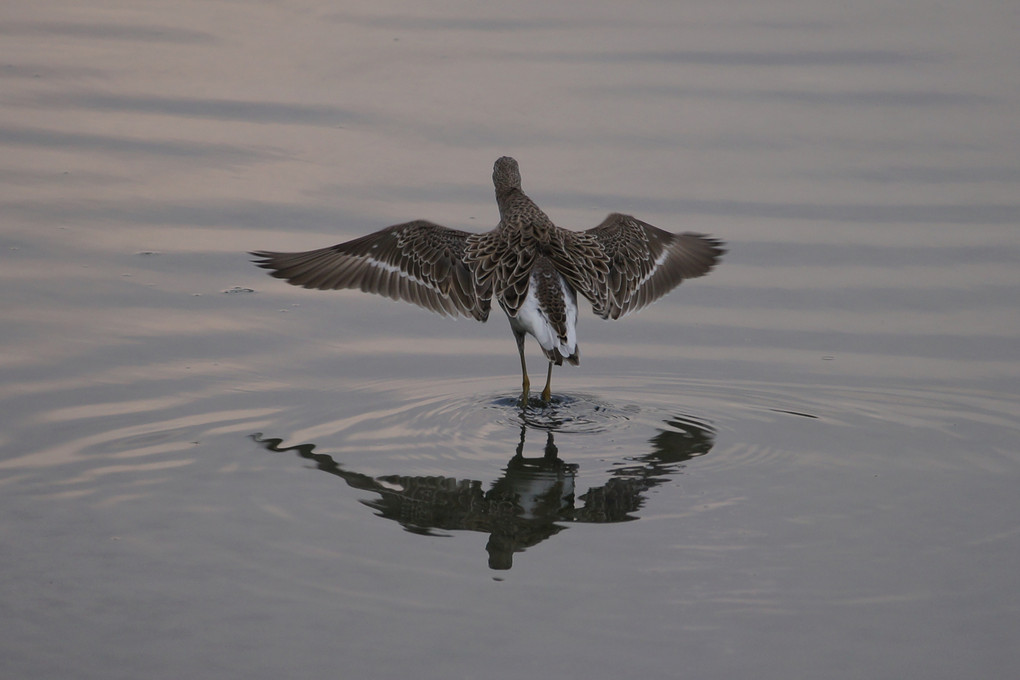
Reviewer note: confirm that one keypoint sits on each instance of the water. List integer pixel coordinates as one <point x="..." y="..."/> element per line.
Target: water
<point x="803" y="465"/>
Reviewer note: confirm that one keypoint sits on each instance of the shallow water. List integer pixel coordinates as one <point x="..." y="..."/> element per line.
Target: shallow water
<point x="803" y="465"/>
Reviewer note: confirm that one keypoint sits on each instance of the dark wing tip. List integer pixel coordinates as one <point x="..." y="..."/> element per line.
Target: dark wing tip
<point x="263" y="258"/>
<point x="697" y="254"/>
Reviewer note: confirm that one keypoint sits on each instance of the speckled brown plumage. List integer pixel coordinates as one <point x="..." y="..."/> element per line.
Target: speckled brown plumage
<point x="619" y="266"/>
<point x="419" y="262"/>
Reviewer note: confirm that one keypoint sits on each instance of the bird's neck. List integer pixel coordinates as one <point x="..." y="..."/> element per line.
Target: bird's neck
<point x="506" y="198"/>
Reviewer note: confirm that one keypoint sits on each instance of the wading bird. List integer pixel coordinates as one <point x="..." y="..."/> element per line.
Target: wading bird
<point x="532" y="268"/>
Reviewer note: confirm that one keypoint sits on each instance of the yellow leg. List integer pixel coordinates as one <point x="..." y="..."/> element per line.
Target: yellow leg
<point x="526" y="384"/>
<point x="547" y="392"/>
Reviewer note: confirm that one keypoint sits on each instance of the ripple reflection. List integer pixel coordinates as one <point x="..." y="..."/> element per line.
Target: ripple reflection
<point x="535" y="497"/>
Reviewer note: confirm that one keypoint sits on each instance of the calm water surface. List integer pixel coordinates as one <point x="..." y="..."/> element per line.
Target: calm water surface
<point x="803" y="465"/>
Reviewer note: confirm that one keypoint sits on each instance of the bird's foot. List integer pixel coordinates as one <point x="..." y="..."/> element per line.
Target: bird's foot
<point x="530" y="401"/>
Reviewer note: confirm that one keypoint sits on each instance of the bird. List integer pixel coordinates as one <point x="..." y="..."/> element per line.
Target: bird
<point x="532" y="268"/>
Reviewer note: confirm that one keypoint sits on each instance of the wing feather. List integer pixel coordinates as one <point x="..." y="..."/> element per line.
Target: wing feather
<point x="646" y="262"/>
<point x="419" y="262"/>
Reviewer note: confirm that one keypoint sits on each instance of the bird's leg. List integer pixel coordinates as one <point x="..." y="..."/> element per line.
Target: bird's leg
<point x="526" y="391"/>
<point x="547" y="393"/>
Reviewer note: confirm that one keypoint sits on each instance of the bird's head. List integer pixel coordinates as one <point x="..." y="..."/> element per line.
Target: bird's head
<point x="506" y="175"/>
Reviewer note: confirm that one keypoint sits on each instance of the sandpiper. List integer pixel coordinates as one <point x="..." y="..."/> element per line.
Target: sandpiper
<point x="532" y="268"/>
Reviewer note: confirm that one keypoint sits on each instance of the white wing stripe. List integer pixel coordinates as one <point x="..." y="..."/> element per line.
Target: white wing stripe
<point x="655" y="267"/>
<point x="394" y="269"/>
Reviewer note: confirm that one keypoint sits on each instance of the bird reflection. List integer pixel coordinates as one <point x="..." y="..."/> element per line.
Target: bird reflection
<point x="532" y="501"/>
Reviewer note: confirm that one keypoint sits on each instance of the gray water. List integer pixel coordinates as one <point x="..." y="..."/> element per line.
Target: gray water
<point x="803" y="465"/>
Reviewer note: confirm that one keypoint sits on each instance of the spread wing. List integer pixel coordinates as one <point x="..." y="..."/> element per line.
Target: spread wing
<point x="646" y="262"/>
<point x="419" y="262"/>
